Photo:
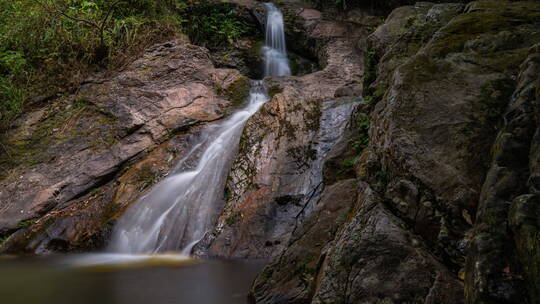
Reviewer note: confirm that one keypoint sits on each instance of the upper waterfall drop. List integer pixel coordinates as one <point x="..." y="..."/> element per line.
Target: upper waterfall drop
<point x="274" y="51"/>
<point x="177" y="212"/>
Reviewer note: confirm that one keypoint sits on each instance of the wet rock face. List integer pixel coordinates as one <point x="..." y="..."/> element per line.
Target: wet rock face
<point x="289" y="278"/>
<point x="503" y="259"/>
<point x="96" y="137"/>
<point x="438" y="107"/>
<point x="376" y="258"/>
<point x="426" y="194"/>
<point x="432" y="223"/>
<point x="277" y="179"/>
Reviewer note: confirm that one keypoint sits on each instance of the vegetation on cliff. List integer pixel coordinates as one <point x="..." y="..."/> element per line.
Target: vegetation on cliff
<point x="49" y="47"/>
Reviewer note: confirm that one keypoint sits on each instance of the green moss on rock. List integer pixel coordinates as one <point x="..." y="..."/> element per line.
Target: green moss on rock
<point x="68" y="121"/>
<point x="234" y="218"/>
<point x="274" y="89"/>
<point x="525" y="224"/>
<point x="343" y="166"/>
<point x="484" y="17"/>
<point x="371" y="59"/>
<point x="238" y="91"/>
<point x="422" y="68"/>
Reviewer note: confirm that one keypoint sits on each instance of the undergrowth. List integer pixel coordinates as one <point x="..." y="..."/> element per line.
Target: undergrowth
<point x="211" y="24"/>
<point x="48" y="47"/>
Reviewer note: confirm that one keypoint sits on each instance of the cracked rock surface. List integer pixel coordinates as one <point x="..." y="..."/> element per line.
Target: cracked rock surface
<point x="95" y="137"/>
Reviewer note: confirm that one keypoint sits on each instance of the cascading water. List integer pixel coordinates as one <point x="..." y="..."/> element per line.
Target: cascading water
<point x="178" y="211"/>
<point x="275" y="50"/>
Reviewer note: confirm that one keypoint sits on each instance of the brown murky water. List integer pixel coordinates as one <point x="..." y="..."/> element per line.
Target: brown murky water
<point x="52" y="281"/>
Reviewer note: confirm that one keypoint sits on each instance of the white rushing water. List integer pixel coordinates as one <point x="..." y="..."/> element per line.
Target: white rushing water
<point x="275" y="50"/>
<point x="177" y="212"/>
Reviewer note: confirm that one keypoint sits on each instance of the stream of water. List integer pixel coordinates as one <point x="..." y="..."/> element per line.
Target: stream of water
<point x="173" y="216"/>
<point x="177" y="212"/>
<point x="275" y="51"/>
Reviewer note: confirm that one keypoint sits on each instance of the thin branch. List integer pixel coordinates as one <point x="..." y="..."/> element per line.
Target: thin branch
<point x="109" y="12"/>
<point x="6" y="149"/>
<point x="52" y="8"/>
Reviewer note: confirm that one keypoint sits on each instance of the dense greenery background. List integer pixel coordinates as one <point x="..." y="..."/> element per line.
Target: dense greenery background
<point x="48" y="47"/>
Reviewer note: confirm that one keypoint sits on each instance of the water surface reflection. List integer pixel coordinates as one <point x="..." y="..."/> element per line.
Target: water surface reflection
<point x="51" y="280"/>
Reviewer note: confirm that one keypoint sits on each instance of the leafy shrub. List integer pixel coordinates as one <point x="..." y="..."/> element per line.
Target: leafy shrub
<point x="214" y="24"/>
<point x="48" y="46"/>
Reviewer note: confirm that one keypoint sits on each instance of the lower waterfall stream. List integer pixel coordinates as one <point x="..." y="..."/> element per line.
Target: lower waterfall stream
<point x="178" y="211"/>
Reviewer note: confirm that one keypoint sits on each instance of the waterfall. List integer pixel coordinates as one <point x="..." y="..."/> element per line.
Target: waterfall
<point x="178" y="211"/>
<point x="275" y="50"/>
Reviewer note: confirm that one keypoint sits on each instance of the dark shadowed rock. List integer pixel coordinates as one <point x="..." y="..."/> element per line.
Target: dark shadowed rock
<point x="493" y="264"/>
<point x="290" y="278"/>
<point x="375" y="259"/>
<point x="450" y="89"/>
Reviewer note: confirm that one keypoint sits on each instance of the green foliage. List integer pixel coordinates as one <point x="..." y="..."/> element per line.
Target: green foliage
<point x="371" y="61"/>
<point x="347" y="165"/>
<point x="12" y="66"/>
<point x="357" y="144"/>
<point x="11" y="101"/>
<point x="234" y="218"/>
<point x="362" y="127"/>
<point x="214" y="24"/>
<point x="25" y="223"/>
<point x="48" y="46"/>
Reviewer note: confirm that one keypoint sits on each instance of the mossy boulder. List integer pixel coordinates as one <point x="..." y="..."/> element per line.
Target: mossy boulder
<point x="238" y="91"/>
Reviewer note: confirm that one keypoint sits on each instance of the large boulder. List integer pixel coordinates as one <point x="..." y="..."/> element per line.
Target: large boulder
<point x="66" y="152"/>
<point x="443" y="179"/>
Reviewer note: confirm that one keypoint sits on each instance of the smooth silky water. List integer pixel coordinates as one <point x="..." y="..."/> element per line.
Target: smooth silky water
<point x="178" y="211"/>
<point x="147" y="260"/>
<point x="53" y="280"/>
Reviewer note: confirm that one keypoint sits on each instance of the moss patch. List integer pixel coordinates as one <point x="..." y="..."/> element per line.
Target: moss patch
<point x="234" y="218"/>
<point x="343" y="166"/>
<point x="313" y="116"/>
<point x="238" y="91"/>
<point x="274" y="89"/>
<point x="66" y="123"/>
<point x="371" y="60"/>
<point x="488" y="17"/>
<point x="422" y="68"/>
<point x="146" y="178"/>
